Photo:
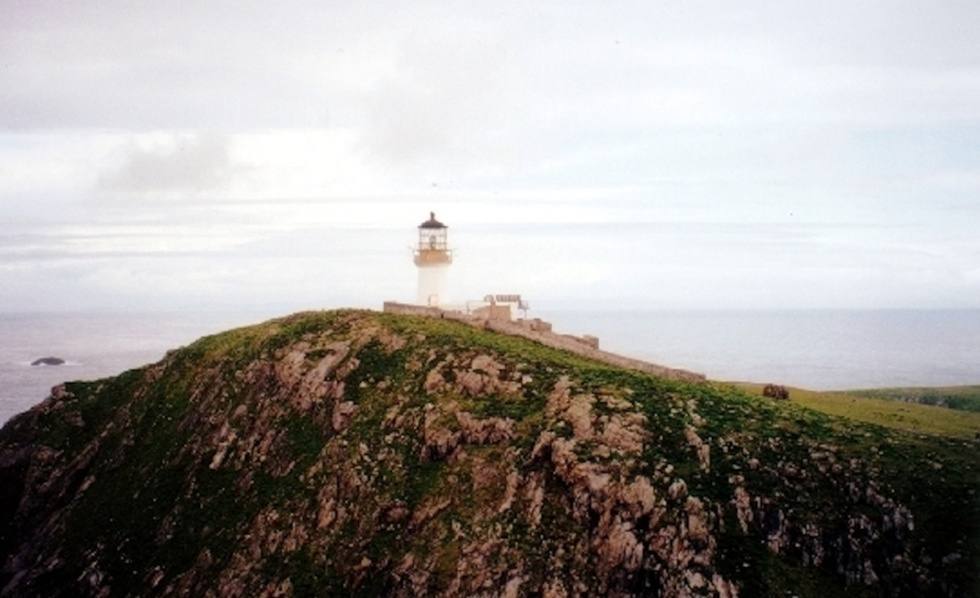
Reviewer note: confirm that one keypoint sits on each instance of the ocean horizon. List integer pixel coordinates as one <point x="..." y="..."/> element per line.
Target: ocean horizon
<point x="817" y="349"/>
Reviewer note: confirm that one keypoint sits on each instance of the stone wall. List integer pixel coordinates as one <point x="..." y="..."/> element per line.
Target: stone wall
<point x="580" y="346"/>
<point x="536" y="324"/>
<point x="493" y="312"/>
<point x="592" y="341"/>
<point x="392" y="307"/>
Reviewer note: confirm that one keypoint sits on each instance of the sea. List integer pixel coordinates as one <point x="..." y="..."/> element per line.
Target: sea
<point x="821" y="349"/>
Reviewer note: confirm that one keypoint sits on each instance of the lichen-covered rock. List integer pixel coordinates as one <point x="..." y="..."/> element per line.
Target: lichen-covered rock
<point x="356" y="453"/>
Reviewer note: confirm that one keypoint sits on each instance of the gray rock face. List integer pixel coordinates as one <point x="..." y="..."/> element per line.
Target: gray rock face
<point x="356" y="453"/>
<point x="48" y="361"/>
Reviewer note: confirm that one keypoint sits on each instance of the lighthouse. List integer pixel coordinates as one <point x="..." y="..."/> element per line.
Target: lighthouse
<point x="432" y="258"/>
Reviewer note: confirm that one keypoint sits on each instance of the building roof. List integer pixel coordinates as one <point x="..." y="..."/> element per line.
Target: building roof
<point x="432" y="222"/>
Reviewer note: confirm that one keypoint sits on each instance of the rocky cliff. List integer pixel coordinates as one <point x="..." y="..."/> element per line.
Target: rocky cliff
<point x="359" y="453"/>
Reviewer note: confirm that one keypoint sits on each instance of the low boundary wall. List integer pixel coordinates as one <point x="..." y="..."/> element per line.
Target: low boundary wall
<point x="549" y="339"/>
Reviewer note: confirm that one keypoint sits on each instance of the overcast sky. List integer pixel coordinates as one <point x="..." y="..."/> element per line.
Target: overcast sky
<point x="278" y="155"/>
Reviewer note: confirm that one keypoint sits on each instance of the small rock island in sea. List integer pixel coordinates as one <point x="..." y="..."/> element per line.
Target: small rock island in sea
<point x="48" y="361"/>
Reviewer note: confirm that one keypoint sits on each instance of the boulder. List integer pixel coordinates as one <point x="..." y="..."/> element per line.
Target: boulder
<point x="775" y="391"/>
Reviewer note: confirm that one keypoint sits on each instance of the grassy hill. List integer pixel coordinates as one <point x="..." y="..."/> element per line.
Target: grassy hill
<point x="350" y="452"/>
<point x="880" y="407"/>
<point x="962" y="398"/>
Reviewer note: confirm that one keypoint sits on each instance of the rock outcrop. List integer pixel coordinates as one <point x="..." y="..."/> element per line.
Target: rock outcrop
<point x="355" y="453"/>
<point x="48" y="361"/>
<point x="775" y="391"/>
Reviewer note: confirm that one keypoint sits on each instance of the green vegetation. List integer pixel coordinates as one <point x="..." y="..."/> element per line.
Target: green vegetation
<point x="868" y="407"/>
<point x="962" y="398"/>
<point x="230" y="456"/>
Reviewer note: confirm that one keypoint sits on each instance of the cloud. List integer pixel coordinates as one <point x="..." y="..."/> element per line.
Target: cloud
<point x="172" y="163"/>
<point x="450" y="100"/>
<point x="316" y="115"/>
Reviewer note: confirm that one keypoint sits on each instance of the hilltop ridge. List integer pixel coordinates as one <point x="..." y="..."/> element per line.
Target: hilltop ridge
<point x="539" y="331"/>
<point x="350" y="452"/>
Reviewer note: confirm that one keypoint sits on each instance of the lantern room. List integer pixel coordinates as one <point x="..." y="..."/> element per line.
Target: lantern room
<point x="433" y="245"/>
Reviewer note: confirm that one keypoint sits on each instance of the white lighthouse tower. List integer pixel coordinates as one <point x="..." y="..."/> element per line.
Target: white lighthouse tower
<point x="433" y="257"/>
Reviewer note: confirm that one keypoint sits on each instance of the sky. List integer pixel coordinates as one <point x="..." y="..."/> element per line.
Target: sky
<point x="677" y="154"/>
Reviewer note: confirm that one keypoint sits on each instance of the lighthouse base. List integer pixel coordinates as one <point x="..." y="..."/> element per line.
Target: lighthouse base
<point x="433" y="285"/>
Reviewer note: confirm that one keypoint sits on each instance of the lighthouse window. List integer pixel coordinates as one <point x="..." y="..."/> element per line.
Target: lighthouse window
<point x="432" y="240"/>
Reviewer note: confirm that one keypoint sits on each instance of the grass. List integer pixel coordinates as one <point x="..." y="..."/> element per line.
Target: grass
<point x="864" y="407"/>
<point x="160" y="470"/>
<point x="963" y="398"/>
<point x="882" y="407"/>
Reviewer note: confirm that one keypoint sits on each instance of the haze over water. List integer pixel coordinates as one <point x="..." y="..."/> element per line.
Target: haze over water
<point x="820" y="349"/>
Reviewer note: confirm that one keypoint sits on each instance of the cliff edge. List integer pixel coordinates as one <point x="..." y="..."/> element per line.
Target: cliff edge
<point x="350" y="452"/>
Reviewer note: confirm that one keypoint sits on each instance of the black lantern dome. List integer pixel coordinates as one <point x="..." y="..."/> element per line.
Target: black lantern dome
<point x="432" y="222"/>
